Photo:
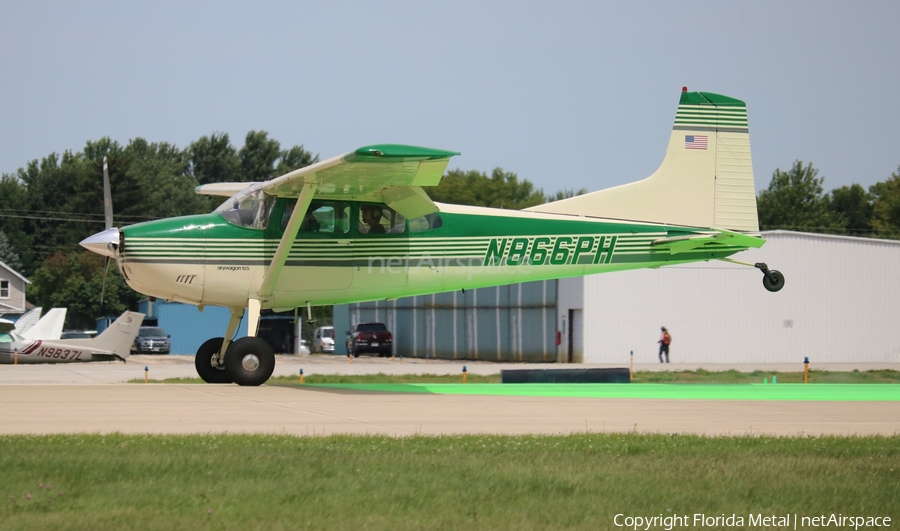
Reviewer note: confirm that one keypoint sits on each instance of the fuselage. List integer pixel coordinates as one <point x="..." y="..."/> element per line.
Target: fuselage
<point x="221" y="258"/>
<point x="15" y="349"/>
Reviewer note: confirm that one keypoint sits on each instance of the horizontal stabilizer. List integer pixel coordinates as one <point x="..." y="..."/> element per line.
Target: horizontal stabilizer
<point x="716" y="240"/>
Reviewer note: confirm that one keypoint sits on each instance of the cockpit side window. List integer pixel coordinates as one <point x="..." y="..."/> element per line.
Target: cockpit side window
<point x="380" y="219"/>
<point x="322" y="217"/>
<point x="250" y="208"/>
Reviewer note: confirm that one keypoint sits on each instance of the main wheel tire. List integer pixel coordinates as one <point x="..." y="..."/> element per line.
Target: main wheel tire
<point x="203" y="362"/>
<point x="249" y="361"/>
<point x="774" y="281"/>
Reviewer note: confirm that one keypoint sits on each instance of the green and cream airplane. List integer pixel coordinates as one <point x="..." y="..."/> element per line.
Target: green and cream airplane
<point x="360" y="227"/>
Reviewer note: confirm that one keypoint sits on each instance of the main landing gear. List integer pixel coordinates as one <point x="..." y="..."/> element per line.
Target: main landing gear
<point x="247" y="361"/>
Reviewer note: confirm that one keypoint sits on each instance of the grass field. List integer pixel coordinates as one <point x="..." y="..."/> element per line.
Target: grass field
<point x="466" y="482"/>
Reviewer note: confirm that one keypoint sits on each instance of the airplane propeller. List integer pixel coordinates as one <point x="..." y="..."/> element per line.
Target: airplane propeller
<point x="108" y="219"/>
<point x="105" y="243"/>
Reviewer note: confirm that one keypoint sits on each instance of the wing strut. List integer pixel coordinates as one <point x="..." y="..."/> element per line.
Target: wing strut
<point x="287" y="241"/>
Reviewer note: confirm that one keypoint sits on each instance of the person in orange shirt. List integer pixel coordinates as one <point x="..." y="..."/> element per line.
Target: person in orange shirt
<point x="664" y="341"/>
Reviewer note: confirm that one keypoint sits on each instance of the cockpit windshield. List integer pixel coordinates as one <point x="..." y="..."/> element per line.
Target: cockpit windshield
<point x="250" y="207"/>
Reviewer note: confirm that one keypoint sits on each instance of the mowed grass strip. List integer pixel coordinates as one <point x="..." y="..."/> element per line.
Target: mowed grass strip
<point x="379" y="378"/>
<point x="698" y="376"/>
<point x="450" y="482"/>
<point x="780" y="392"/>
<point x="737" y="377"/>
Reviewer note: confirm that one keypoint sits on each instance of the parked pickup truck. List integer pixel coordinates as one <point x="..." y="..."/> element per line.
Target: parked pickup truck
<point x="152" y="340"/>
<point x="369" y="337"/>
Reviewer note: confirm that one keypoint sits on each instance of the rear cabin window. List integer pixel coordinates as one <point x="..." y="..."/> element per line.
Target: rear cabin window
<point x="426" y="223"/>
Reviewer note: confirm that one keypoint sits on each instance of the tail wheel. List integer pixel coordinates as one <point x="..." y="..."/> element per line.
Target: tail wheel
<point x="203" y="362"/>
<point x="773" y="280"/>
<point x="249" y="361"/>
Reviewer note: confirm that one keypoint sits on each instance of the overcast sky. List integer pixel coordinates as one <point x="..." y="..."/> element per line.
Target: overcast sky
<point x="565" y="94"/>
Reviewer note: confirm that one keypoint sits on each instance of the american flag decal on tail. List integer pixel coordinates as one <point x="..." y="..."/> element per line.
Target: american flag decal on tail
<point x="695" y="142"/>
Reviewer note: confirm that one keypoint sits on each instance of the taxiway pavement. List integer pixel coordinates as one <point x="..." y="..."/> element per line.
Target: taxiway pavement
<point x="92" y="398"/>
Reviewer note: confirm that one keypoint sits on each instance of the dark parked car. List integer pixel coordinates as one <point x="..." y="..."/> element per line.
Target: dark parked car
<point x="152" y="339"/>
<point x="369" y="337"/>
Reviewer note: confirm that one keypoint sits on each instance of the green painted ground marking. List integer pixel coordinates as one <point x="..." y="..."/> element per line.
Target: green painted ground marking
<point x="789" y="392"/>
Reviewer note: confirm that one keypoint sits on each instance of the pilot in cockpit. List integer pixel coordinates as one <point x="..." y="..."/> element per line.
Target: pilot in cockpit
<point x="371" y="219"/>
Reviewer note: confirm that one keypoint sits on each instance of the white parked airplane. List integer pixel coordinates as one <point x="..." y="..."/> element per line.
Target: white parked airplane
<point x="114" y="343"/>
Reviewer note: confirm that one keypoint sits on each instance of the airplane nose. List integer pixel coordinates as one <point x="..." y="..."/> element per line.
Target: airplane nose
<point x="104" y="243"/>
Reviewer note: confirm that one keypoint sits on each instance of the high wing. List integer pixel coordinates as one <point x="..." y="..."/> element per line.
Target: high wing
<point x="392" y="174"/>
<point x="388" y="173"/>
<point x="28" y="319"/>
<point x="717" y="239"/>
<point x="50" y="326"/>
<point x="222" y="189"/>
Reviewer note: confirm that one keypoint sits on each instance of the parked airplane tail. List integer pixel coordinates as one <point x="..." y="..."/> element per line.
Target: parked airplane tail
<point x="118" y="337"/>
<point x="48" y="327"/>
<point x="27" y="320"/>
<point x="705" y="180"/>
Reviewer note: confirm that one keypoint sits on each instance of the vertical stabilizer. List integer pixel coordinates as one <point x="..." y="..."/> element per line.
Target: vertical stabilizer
<point x="705" y="180"/>
<point x="118" y="337"/>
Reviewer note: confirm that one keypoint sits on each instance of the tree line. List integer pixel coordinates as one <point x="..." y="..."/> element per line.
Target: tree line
<point x="796" y="200"/>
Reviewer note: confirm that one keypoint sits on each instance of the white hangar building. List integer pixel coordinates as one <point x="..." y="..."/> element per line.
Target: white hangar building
<point x="840" y="303"/>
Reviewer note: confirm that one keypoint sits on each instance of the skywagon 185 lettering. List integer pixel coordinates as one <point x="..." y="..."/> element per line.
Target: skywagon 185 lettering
<point x="550" y="250"/>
